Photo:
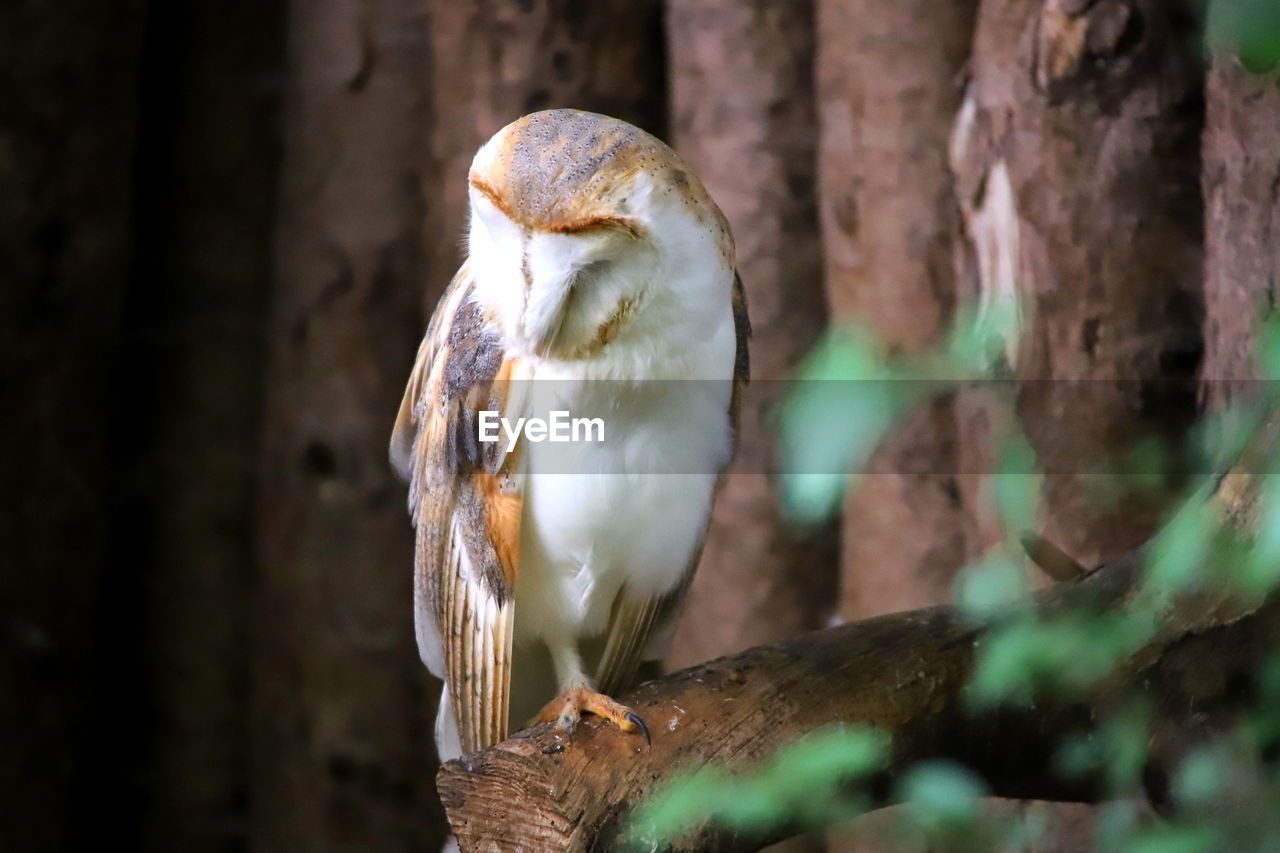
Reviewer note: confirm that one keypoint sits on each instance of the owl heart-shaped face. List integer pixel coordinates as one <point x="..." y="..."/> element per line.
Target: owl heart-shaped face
<point x="587" y="233"/>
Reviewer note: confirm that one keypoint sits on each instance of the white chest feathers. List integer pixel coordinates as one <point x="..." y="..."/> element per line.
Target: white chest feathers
<point x="627" y="511"/>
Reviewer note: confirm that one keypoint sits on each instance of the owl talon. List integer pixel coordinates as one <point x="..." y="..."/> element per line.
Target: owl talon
<point x="567" y="708"/>
<point x="637" y="721"/>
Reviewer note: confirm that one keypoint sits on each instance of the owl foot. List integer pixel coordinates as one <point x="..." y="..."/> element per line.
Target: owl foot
<point x="566" y="709"/>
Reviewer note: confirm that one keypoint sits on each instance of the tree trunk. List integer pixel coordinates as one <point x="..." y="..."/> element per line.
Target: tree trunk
<point x="1241" y="186"/>
<point x="495" y="60"/>
<point x="1075" y="162"/>
<point x="343" y="706"/>
<point x="888" y="89"/>
<point x="66" y="167"/>
<point x="889" y="86"/>
<point x="1076" y="158"/>
<point x="195" y="360"/>
<point x="743" y="118"/>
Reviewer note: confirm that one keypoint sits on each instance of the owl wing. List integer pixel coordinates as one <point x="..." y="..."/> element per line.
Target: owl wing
<point x="465" y="502"/>
<point x="635" y="620"/>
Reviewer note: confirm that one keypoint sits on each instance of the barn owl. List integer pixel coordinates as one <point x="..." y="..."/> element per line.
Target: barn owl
<point x="598" y="265"/>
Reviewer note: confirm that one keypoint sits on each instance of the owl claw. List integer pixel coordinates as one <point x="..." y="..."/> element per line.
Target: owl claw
<point x="568" y="722"/>
<point x="567" y="708"/>
<point x="637" y="721"/>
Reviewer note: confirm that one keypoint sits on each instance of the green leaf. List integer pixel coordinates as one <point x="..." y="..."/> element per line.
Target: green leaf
<point x="1005" y="666"/>
<point x="942" y="792"/>
<point x="983" y="335"/>
<point x="848" y="395"/>
<point x="1117" y="747"/>
<point x="1249" y="28"/>
<point x="1016" y="486"/>
<point x="1117" y="821"/>
<point x="1269" y="346"/>
<point x="1199" y="777"/>
<point x="831" y="420"/>
<point x="1068" y="654"/>
<point x="803" y="780"/>
<point x="1261" y="569"/>
<point x="1179" y="551"/>
<point x="991" y="589"/>
<point x="683" y="804"/>
<point x="825" y="758"/>
<point x="812" y="498"/>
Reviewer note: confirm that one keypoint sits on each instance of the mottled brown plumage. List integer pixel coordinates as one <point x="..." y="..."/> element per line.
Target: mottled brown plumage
<point x="569" y="171"/>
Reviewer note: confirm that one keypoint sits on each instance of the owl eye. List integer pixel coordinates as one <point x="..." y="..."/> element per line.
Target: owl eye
<point x="595" y="269"/>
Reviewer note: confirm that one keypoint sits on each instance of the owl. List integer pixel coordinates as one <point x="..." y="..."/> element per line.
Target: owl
<point x="599" y="277"/>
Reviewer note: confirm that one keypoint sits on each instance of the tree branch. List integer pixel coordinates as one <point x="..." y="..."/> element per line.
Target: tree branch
<point x="903" y="673"/>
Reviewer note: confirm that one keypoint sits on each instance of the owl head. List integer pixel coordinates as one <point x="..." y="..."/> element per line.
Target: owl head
<point x="588" y="234"/>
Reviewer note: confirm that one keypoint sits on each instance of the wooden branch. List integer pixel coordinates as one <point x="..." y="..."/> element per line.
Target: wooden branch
<point x="903" y="673"/>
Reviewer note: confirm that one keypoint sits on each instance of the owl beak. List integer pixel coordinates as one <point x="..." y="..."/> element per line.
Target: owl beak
<point x="545" y="330"/>
<point x="545" y="343"/>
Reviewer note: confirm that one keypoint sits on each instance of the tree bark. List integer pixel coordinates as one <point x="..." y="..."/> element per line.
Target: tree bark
<point x="1241" y="187"/>
<point x="742" y="115"/>
<point x="66" y="166"/>
<point x="496" y="60"/>
<point x="889" y="85"/>
<point x="1076" y="154"/>
<point x="902" y="673"/>
<point x="342" y="705"/>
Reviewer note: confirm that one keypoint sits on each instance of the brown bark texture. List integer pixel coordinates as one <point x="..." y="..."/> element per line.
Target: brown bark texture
<point x="1241" y="186"/>
<point x="342" y="705"/>
<point x="67" y="133"/>
<point x="742" y="116"/>
<point x="902" y="673"/>
<point x="1076" y="157"/>
<point x="889" y="85"/>
<point x="496" y="60"/>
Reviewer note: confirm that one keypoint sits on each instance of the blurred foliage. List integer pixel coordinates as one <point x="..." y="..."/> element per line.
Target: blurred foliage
<point x="1224" y="793"/>
<point x="801" y="785"/>
<point x="848" y="394"/>
<point x="1248" y="28"/>
<point x="844" y="400"/>
<point x="992" y="588"/>
<point x="1116" y="749"/>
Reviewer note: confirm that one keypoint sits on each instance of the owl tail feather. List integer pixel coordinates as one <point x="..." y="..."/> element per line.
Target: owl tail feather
<point x="448" y="741"/>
